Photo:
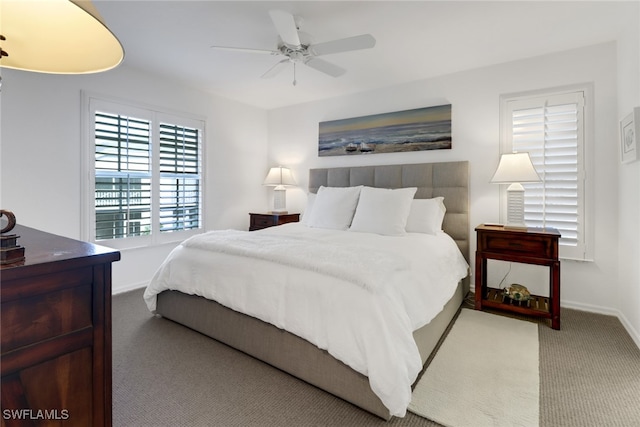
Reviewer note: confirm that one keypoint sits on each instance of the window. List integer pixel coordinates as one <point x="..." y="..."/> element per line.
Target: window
<point x="122" y="176"/>
<point x="146" y="175"/>
<point x="179" y="178"/>
<point x="551" y="128"/>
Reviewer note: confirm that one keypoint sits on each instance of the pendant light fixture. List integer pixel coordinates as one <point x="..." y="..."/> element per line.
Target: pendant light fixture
<point x="57" y="37"/>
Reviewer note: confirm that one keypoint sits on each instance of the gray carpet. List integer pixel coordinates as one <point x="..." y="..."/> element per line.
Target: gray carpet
<point x="167" y="375"/>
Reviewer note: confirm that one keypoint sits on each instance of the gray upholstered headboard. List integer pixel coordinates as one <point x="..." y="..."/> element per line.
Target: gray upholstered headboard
<point x="449" y="180"/>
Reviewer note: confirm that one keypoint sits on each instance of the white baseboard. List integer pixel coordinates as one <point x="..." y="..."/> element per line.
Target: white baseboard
<point x="635" y="336"/>
<point x="127" y="288"/>
<point x="590" y="308"/>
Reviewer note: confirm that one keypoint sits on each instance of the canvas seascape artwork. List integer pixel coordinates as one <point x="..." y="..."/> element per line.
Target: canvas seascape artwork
<point x="402" y="131"/>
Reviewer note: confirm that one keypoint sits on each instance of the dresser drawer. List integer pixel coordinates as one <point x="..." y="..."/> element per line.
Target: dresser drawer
<point x="529" y="245"/>
<point x="30" y="320"/>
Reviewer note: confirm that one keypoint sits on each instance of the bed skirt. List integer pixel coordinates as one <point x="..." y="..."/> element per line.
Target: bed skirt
<point x="291" y="353"/>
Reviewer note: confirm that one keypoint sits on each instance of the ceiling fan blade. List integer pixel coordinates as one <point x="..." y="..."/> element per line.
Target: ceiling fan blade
<point x="325" y="67"/>
<point x="286" y="26"/>
<point x="246" y="49"/>
<point x="364" y="41"/>
<point x="279" y="66"/>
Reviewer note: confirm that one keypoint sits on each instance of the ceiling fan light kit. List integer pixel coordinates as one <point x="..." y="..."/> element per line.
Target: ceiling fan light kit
<point x="297" y="52"/>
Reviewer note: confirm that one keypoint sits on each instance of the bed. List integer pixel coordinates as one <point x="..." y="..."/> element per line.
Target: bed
<point x="319" y="351"/>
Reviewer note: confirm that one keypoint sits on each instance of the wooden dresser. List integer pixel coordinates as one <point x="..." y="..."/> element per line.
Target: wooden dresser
<point x="56" y="332"/>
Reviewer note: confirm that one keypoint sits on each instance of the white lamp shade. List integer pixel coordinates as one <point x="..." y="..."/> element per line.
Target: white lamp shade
<point x="515" y="167"/>
<point x="56" y="36"/>
<point x="279" y="176"/>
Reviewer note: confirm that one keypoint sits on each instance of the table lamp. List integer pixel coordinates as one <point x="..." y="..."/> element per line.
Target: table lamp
<point x="279" y="178"/>
<point x="515" y="168"/>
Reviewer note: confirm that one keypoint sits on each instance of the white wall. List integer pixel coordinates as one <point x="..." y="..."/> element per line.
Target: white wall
<point x="41" y="146"/>
<point x="474" y="95"/>
<point x="40" y="154"/>
<point x="629" y="185"/>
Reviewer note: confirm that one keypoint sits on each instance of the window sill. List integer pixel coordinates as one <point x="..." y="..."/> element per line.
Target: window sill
<point x="146" y="242"/>
<point x="576" y="259"/>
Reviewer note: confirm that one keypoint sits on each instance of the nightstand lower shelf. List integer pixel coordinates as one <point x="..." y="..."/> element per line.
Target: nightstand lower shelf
<point x="537" y="305"/>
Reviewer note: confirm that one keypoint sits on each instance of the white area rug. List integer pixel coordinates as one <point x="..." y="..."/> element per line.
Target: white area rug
<point x="484" y="374"/>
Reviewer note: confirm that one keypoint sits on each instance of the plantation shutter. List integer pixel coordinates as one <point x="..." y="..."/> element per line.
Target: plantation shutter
<point x="179" y="177"/>
<point x="551" y="130"/>
<point x="144" y="172"/>
<point x="122" y="176"/>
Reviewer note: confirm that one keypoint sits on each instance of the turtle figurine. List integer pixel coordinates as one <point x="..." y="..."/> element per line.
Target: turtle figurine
<point x="517" y="292"/>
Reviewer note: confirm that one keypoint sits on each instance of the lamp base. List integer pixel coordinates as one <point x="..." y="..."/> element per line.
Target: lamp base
<point x="280" y="200"/>
<point x="515" y="207"/>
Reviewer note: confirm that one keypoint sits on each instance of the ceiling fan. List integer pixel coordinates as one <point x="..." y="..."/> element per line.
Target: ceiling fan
<point x="296" y="48"/>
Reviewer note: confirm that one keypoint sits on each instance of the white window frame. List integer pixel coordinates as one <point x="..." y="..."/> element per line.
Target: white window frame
<point x="91" y="103"/>
<point x="583" y="251"/>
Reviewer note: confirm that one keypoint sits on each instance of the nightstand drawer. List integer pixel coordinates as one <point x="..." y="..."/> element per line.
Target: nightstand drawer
<point x="259" y="221"/>
<point x="262" y="221"/>
<point x="529" y="245"/>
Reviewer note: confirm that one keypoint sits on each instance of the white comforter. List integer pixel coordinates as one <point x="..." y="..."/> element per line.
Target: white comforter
<point x="365" y="320"/>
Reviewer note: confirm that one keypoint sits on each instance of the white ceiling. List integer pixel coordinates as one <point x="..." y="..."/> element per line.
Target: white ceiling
<point x="415" y="40"/>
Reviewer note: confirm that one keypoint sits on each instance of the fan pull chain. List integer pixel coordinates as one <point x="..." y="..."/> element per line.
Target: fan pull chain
<point x="294" y="74"/>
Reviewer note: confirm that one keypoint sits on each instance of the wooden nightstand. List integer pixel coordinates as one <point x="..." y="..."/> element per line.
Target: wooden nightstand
<point x="531" y="246"/>
<point x="258" y="221"/>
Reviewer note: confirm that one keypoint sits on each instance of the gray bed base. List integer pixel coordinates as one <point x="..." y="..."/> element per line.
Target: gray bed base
<point x="297" y="356"/>
<point x="289" y="352"/>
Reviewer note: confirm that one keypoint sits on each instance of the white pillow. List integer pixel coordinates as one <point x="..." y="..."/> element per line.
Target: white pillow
<point x="426" y="215"/>
<point x="311" y="198"/>
<point x="383" y="211"/>
<point x="333" y="207"/>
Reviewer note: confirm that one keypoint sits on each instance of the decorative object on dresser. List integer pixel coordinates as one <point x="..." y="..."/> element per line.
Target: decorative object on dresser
<point x="56" y="331"/>
<point x="10" y="251"/>
<point x="76" y="42"/>
<point x="258" y="221"/>
<point x="513" y="169"/>
<point x="401" y="131"/>
<point x="531" y="246"/>
<point x="629" y="134"/>
<point x="279" y="178"/>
